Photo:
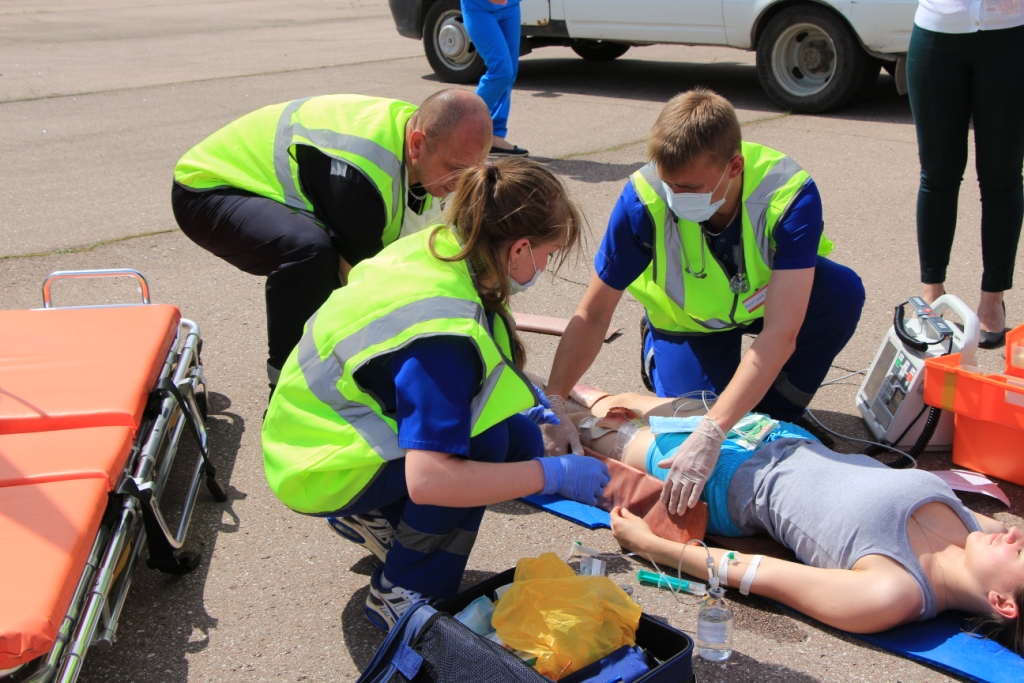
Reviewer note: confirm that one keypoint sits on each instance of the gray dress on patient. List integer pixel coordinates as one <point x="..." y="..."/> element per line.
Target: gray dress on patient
<point x="830" y="514"/>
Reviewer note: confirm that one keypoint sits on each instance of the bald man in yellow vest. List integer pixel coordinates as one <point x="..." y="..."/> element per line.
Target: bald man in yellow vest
<point x="301" y="191"/>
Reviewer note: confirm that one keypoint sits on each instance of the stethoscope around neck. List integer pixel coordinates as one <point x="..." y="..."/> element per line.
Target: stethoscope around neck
<point x="738" y="283"/>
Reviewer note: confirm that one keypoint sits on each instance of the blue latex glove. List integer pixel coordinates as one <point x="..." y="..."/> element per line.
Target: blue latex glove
<point x="576" y="477"/>
<point x="543" y="398"/>
<point x="542" y="415"/>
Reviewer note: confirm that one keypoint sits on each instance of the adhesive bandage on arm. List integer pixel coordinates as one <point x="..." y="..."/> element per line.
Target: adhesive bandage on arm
<point x="627" y="432"/>
<point x="748" y="577"/>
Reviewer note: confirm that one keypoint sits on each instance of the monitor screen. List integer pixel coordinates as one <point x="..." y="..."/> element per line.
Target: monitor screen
<point x="880" y="370"/>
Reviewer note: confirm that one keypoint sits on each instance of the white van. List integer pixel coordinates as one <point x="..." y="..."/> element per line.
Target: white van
<point x="811" y="56"/>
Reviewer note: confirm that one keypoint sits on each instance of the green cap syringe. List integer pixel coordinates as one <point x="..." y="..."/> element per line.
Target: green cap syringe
<point x="647" y="578"/>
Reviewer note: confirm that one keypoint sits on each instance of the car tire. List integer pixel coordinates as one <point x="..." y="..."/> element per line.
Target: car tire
<point x="447" y="45"/>
<point x="809" y="61"/>
<point x="598" y="50"/>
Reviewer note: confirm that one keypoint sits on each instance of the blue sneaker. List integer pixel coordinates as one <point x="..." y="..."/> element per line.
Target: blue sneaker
<point x="370" y="530"/>
<point x="385" y="606"/>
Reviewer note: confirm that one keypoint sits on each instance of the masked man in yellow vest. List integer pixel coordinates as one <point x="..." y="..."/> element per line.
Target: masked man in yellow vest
<point x="302" y="191"/>
<point x="717" y="238"/>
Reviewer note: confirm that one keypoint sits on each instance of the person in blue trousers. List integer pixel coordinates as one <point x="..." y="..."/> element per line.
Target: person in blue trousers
<point x="493" y="26"/>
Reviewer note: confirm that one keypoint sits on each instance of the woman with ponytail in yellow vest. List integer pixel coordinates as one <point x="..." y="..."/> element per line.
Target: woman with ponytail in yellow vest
<point x="403" y="411"/>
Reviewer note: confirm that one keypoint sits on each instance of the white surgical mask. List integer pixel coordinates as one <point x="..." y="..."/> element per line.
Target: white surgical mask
<point x="516" y="288"/>
<point x="695" y="206"/>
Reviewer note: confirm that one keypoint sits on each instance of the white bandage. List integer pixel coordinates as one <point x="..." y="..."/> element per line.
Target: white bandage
<point x="627" y="432"/>
<point x="584" y="429"/>
<point x="748" y="577"/>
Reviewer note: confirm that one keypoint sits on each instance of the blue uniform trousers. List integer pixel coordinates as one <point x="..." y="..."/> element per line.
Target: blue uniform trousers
<point x="495" y="32"/>
<point x="679" y="364"/>
<point x="432" y="543"/>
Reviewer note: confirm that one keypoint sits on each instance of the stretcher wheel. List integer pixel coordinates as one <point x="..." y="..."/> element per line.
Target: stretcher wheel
<point x="184" y="562"/>
<point x="203" y="403"/>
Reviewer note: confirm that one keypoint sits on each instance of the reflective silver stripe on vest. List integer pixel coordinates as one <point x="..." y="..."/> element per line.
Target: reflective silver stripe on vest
<point x="381" y="156"/>
<point x="322" y="376"/>
<point x="674" y="286"/>
<point x="756" y="206"/>
<point x="282" y="160"/>
<point x="456" y="542"/>
<point x="759" y="200"/>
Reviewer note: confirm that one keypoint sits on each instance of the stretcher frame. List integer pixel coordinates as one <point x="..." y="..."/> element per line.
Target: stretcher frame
<point x="133" y="515"/>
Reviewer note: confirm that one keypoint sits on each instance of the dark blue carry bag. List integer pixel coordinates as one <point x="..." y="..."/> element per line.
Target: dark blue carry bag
<point x="427" y="646"/>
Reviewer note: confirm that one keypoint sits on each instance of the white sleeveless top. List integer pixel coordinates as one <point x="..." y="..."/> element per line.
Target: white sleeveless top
<point x="968" y="16"/>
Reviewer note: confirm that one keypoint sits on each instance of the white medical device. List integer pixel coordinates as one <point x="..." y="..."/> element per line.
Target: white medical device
<point x="891" y="399"/>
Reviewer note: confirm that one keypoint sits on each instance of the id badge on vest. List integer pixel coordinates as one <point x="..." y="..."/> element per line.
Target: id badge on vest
<point x="756" y="300"/>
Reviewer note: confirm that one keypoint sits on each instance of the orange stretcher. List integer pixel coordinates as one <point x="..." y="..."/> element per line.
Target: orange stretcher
<point x="93" y="403"/>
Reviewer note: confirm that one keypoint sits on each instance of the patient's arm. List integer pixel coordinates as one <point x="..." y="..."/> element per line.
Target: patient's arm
<point x="876" y="595"/>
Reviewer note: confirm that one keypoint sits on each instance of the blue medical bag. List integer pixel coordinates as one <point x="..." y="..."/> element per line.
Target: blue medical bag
<point x="429" y="646"/>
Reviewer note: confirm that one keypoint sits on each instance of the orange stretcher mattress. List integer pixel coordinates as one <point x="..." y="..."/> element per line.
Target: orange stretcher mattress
<point x="46" y="533"/>
<point x="88" y="367"/>
<point x="89" y="453"/>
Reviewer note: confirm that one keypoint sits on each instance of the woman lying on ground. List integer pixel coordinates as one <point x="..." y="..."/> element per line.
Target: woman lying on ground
<point x="880" y="547"/>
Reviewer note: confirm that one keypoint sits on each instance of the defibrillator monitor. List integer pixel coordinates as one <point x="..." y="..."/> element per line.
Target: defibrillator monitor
<point x="891" y="399"/>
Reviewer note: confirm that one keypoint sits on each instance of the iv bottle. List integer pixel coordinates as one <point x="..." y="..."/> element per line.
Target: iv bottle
<point x="714" y="627"/>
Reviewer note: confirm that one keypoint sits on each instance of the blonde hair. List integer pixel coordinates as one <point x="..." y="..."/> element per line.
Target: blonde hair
<point x="693" y="123"/>
<point x="496" y="204"/>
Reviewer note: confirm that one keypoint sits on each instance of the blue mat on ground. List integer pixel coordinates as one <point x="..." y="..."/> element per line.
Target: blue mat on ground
<point x="584" y="515"/>
<point x="939" y="642"/>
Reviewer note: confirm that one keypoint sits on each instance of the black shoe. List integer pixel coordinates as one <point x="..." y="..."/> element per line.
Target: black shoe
<point x="993" y="340"/>
<point x="516" y="151"/>
<point x="817" y="432"/>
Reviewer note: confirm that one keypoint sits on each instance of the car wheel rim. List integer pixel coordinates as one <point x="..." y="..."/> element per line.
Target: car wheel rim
<point x="804" y="60"/>
<point x="453" y="44"/>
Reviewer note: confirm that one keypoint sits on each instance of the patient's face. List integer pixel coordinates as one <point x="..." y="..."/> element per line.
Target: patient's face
<point x="997" y="560"/>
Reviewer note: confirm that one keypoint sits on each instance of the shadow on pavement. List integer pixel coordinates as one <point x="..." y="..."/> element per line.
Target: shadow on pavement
<point x="587" y="171"/>
<point x="165" y="617"/>
<point x="658" y="81"/>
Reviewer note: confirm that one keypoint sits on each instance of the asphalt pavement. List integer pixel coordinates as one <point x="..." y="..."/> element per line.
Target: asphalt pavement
<point x="98" y="100"/>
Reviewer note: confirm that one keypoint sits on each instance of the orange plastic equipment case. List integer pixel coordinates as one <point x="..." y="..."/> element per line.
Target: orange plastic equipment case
<point x="988" y="433"/>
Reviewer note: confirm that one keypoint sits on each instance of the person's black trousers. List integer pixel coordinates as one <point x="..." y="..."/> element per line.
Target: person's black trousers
<point x="264" y="237"/>
<point x="954" y="79"/>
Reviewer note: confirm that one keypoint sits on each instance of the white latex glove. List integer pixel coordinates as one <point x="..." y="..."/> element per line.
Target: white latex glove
<point x="561" y="438"/>
<point x="691" y="466"/>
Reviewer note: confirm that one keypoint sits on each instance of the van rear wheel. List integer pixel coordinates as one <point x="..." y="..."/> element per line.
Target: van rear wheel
<point x="810" y="62"/>
<point x="598" y="50"/>
<point x="446" y="42"/>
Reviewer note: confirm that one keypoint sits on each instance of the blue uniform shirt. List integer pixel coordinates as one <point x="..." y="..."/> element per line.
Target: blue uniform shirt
<point x="627" y="247"/>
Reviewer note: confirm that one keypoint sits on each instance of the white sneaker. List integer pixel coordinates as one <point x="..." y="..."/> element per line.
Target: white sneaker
<point x="370" y="530"/>
<point x="385" y="606"/>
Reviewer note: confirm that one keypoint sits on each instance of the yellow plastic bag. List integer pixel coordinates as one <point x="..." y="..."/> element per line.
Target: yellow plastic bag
<point x="567" y="621"/>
